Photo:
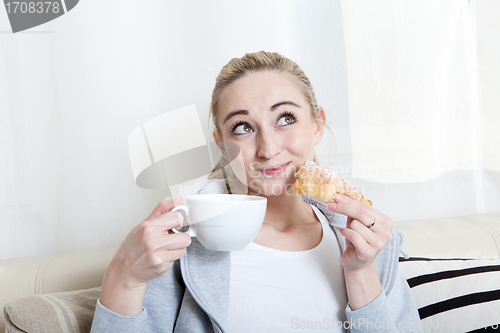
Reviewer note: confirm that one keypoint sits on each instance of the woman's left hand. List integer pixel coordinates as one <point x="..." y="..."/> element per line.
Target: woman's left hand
<point x="367" y="232"/>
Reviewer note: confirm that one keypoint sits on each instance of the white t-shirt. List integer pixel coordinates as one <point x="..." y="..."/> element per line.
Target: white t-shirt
<point x="287" y="291"/>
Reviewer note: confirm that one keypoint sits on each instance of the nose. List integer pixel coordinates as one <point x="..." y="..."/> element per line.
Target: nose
<point x="268" y="145"/>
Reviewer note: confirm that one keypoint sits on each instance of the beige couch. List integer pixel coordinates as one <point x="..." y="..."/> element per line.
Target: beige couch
<point x="67" y="286"/>
<point x="45" y="275"/>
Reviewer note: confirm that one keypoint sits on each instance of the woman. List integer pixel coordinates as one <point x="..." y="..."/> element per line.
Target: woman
<point x="297" y="274"/>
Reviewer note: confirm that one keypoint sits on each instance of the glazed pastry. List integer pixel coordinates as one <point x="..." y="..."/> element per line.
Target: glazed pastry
<point x="320" y="183"/>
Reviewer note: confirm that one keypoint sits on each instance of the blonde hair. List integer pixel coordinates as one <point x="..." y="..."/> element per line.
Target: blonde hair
<point x="237" y="68"/>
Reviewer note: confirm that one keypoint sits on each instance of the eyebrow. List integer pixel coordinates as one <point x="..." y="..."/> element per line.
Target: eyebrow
<point x="274" y="107"/>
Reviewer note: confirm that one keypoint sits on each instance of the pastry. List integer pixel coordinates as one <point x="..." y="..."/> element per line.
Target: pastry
<point x="320" y="183"/>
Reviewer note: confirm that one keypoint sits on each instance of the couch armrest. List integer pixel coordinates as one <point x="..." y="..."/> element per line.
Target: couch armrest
<point x="465" y="237"/>
<point x="54" y="273"/>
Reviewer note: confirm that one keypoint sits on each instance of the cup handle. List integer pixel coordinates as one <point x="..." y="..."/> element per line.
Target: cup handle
<point x="185" y="209"/>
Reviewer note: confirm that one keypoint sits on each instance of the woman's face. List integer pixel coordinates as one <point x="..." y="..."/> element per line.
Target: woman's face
<point x="266" y="115"/>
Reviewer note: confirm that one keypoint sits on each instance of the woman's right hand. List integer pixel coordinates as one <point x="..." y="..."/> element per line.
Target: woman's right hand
<point x="147" y="252"/>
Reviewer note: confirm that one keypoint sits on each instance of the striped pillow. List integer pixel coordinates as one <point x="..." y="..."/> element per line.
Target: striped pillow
<point x="455" y="295"/>
<point x="70" y="311"/>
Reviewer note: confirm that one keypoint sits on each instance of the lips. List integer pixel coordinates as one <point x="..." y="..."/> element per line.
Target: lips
<point x="273" y="167"/>
<point x="274" y="170"/>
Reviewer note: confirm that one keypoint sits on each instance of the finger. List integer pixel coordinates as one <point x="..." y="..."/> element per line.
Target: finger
<point x="178" y="241"/>
<point x="349" y="220"/>
<point x="162" y="224"/>
<point x="359" y="243"/>
<point x="355" y="209"/>
<point x="173" y="255"/>
<point x="164" y="266"/>
<point x="161" y="257"/>
<point x="377" y="236"/>
<point x="165" y="206"/>
<point x="168" y="256"/>
<point x="367" y="233"/>
<point x="168" y="242"/>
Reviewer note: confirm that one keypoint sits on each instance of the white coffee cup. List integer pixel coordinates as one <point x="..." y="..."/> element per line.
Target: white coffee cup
<point x="224" y="222"/>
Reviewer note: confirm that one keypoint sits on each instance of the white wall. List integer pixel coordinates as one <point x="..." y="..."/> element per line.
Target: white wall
<point x="72" y="90"/>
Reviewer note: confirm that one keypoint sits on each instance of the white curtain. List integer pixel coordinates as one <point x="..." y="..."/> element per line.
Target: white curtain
<point x="389" y="74"/>
<point x="424" y="91"/>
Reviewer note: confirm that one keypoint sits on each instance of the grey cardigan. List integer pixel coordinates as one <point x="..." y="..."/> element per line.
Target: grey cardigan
<point x="194" y="295"/>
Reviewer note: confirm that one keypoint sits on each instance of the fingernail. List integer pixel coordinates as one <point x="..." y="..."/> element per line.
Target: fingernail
<point x="180" y="217"/>
<point x="332" y="206"/>
<point x="339" y="197"/>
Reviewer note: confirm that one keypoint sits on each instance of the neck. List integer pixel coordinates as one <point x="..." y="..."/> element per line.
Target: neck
<point x="286" y="210"/>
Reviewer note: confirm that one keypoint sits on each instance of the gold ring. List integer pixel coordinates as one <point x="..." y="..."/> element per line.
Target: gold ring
<point x="371" y="225"/>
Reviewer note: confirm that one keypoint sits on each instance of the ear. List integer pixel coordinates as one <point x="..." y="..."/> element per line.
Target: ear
<point x="220" y="145"/>
<point x="319" y="126"/>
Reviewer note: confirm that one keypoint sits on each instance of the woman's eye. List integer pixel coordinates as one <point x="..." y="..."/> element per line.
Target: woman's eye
<point x="286" y="120"/>
<point x="242" y="129"/>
